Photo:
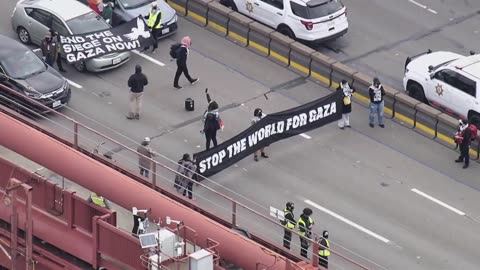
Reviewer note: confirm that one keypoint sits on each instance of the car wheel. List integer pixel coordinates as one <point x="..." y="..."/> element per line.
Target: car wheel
<point x="474" y="119"/>
<point x="23" y="35"/>
<point x="286" y="31"/>
<point x="416" y="91"/>
<point x="80" y="66"/>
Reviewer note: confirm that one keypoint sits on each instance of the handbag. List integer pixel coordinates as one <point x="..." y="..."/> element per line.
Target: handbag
<point x="347" y="101"/>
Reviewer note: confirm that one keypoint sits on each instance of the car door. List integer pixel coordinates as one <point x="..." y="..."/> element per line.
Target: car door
<point x="466" y="89"/>
<point x="38" y="23"/>
<point x="269" y="12"/>
<point x="444" y="91"/>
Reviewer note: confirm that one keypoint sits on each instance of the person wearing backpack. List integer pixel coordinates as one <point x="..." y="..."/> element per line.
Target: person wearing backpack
<point x="181" y="55"/>
<point x="211" y="121"/>
<point x="464" y="139"/>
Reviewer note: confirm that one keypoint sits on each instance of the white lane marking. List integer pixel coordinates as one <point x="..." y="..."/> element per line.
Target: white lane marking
<point x="423" y="6"/>
<point x="305" y="136"/>
<point x="151" y="59"/>
<point x="74" y="84"/>
<point x="351" y="223"/>
<point x="438" y="201"/>
<point x="36" y="50"/>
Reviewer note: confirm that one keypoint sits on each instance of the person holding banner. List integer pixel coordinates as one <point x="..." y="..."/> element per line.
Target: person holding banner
<point x="154" y="22"/>
<point x="257" y="116"/>
<point x="51" y="50"/>
<point x="347" y="104"/>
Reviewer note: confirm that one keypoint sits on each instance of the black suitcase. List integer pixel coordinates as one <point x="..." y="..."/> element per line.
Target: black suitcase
<point x="189" y="104"/>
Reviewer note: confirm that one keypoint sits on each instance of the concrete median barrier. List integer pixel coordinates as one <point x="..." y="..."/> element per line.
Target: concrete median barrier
<point x="361" y="83"/>
<point x="321" y="69"/>
<point x="405" y="109"/>
<point x="446" y="128"/>
<point x="280" y="48"/>
<point x="300" y="58"/>
<point x="179" y="6"/>
<point x="239" y="28"/>
<point x="217" y="20"/>
<point x="341" y="72"/>
<point x="426" y="120"/>
<point x="389" y="98"/>
<point x="259" y="38"/>
<point x="197" y="11"/>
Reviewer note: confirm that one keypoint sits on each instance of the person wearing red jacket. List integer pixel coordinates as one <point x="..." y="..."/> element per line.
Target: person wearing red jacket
<point x="463" y="138"/>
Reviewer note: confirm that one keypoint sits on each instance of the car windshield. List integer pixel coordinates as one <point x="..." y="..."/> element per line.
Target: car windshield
<point x="131" y="4"/>
<point x="22" y="64"/>
<point x="86" y="23"/>
<point x="323" y="8"/>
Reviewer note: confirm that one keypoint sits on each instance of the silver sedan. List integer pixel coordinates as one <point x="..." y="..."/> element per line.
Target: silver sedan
<point x="33" y="18"/>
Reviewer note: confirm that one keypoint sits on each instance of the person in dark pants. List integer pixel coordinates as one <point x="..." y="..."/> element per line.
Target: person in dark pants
<point x="182" y="53"/>
<point x="184" y="179"/>
<point x="51" y="50"/>
<point x="289" y="224"/>
<point x="154" y="23"/>
<point x="145" y="153"/>
<point x="463" y="138"/>
<point x="257" y="116"/>
<point x="305" y="224"/>
<point x="211" y="121"/>
<point x="324" y="250"/>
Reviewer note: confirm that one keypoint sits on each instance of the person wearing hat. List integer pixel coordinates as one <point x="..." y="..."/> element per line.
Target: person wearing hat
<point x="154" y="23"/>
<point x="376" y="93"/>
<point x="305" y="224"/>
<point x="324" y="250"/>
<point x="257" y="116"/>
<point x="463" y="139"/>
<point x="145" y="153"/>
<point x="289" y="223"/>
<point x="347" y="103"/>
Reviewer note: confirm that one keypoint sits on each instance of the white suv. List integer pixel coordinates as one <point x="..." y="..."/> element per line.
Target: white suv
<point x="306" y="20"/>
<point x="446" y="80"/>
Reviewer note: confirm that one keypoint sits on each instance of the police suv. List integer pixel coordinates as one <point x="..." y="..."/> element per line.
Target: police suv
<point x="446" y="80"/>
<point x="307" y="20"/>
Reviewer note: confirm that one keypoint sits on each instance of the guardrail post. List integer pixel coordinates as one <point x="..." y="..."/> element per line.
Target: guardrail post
<point x="96" y="237"/>
<point x="234" y="213"/>
<point x="75" y="134"/>
<point x="154" y="175"/>
<point x="315" y="248"/>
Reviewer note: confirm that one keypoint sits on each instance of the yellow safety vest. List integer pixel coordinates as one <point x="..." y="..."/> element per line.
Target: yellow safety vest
<point x="302" y="222"/>
<point x="97" y="200"/>
<point x="152" y="18"/>
<point x="325" y="252"/>
<point x="288" y="225"/>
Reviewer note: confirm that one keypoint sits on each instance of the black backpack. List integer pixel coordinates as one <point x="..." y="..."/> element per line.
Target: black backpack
<point x="173" y="50"/>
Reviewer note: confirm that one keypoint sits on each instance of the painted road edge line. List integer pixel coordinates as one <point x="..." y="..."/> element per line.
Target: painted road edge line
<point x="305" y="136"/>
<point x="351" y="223"/>
<point x="438" y="201"/>
<point x="151" y="59"/>
<point x="74" y="84"/>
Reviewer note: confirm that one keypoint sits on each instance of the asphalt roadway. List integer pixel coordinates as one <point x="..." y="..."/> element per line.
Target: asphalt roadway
<point x="395" y="198"/>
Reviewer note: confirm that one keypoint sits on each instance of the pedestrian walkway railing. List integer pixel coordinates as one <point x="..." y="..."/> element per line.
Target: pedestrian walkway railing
<point x="212" y="203"/>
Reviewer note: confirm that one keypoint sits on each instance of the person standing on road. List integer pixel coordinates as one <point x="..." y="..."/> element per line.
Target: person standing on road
<point x="51" y="50"/>
<point x="305" y="224"/>
<point x="136" y="82"/>
<point x="182" y="53"/>
<point x="464" y="138"/>
<point x="107" y="11"/>
<point x="154" y="23"/>
<point x="347" y="104"/>
<point x="145" y="153"/>
<point x="186" y="169"/>
<point x="211" y="121"/>
<point x="324" y="250"/>
<point x="289" y="223"/>
<point x="376" y="93"/>
<point x="257" y="116"/>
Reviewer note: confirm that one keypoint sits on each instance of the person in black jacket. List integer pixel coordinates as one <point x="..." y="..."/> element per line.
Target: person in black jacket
<point x="136" y="82"/>
<point x="288" y="223"/>
<point x="347" y="103"/>
<point x="463" y="138"/>
<point x="376" y="93"/>
<point x="182" y="53"/>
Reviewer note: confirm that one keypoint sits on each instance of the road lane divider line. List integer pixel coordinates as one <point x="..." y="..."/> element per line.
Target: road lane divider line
<point x="432" y="11"/>
<point x="74" y="84"/>
<point x="451" y="208"/>
<point x="151" y="59"/>
<point x="305" y="136"/>
<point x="36" y="50"/>
<point x="326" y="80"/>
<point x="423" y="6"/>
<point x="351" y="223"/>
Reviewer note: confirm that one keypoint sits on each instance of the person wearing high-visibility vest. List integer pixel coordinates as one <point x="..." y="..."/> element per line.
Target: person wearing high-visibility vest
<point x="98" y="200"/>
<point x="305" y="224"/>
<point x="289" y="223"/>
<point x="154" y="22"/>
<point x="324" y="250"/>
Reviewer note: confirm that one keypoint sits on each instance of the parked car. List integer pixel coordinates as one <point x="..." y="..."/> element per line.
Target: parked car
<point x="305" y="20"/>
<point x="447" y="81"/>
<point x="23" y="71"/>
<point x="32" y="19"/>
<point x="126" y="10"/>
